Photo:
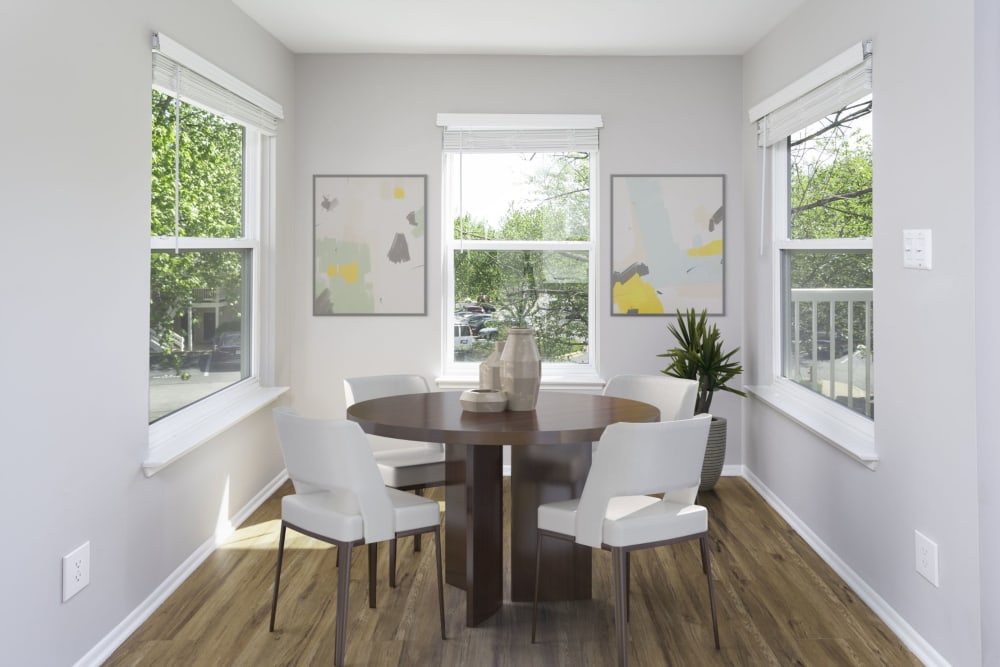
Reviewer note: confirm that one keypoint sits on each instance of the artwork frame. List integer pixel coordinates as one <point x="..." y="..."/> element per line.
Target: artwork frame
<point x="667" y="244"/>
<point x="369" y="244"/>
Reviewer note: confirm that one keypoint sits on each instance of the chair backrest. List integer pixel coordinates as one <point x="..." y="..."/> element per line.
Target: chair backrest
<point x="363" y="388"/>
<point x="638" y="459"/>
<point x="675" y="397"/>
<point x="333" y="454"/>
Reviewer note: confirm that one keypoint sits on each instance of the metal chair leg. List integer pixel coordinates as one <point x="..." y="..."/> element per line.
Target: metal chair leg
<point x="628" y="586"/>
<point x="618" y="557"/>
<point x="343" y="581"/>
<point x="538" y="568"/>
<point x="706" y="559"/>
<point x="277" y="574"/>
<point x="392" y="563"/>
<point x="372" y="572"/>
<point x="437" y="549"/>
<point x="416" y="538"/>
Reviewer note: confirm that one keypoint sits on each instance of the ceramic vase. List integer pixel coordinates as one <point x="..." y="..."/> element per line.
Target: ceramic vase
<point x="520" y="370"/>
<point x="489" y="370"/>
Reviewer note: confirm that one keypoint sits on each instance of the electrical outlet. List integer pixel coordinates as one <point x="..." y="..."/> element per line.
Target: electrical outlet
<point x="927" y="557"/>
<point x="75" y="571"/>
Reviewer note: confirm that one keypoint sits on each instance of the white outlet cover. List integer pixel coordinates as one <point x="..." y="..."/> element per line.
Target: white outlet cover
<point x="927" y="557"/>
<point x="75" y="571"/>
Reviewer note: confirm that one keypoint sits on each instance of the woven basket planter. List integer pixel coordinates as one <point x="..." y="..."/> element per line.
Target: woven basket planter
<point x="715" y="454"/>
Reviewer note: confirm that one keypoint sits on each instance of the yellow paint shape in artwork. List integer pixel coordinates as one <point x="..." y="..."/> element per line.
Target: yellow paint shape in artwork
<point x="635" y="294"/>
<point x="349" y="272"/>
<point x="707" y="250"/>
<point x="399" y="192"/>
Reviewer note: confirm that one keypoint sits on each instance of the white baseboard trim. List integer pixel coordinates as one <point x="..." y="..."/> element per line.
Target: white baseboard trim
<point x="103" y="650"/>
<point x="910" y="637"/>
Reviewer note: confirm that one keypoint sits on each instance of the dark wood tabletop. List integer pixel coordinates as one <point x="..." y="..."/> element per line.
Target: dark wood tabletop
<point x="559" y="418"/>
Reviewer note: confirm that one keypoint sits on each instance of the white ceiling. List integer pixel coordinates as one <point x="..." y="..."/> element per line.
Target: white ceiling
<point x="520" y="27"/>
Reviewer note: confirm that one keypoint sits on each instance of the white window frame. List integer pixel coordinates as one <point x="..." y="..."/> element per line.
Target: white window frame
<point x="554" y="375"/>
<point x="176" y="434"/>
<point x="841" y="427"/>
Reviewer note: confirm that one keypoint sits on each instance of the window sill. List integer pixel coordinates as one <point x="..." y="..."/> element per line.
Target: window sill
<point x="174" y="436"/>
<point x="850" y="433"/>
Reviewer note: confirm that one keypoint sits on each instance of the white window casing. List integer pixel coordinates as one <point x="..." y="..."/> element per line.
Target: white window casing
<point x="179" y="71"/>
<point x="833" y="85"/>
<point x="519" y="133"/>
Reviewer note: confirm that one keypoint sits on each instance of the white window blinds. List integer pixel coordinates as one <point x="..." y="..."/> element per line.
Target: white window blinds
<point x="178" y="71"/>
<point x="519" y="133"/>
<point x="834" y="85"/>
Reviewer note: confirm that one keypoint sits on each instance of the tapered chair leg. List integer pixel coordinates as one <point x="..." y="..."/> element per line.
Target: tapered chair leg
<point x="618" y="560"/>
<point x="392" y="563"/>
<point x="706" y="559"/>
<point x="628" y="586"/>
<point x="372" y="572"/>
<point x="277" y="575"/>
<point x="437" y="549"/>
<point x="538" y="568"/>
<point x="416" y="538"/>
<point x="343" y="581"/>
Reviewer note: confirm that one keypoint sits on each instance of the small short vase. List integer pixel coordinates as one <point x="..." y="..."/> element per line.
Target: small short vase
<point x="520" y="370"/>
<point x="489" y="370"/>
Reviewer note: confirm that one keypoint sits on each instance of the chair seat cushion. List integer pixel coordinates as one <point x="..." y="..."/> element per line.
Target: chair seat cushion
<point x="409" y="467"/>
<point x="630" y="520"/>
<point x="413" y="512"/>
<point x="335" y="514"/>
<point x="332" y="514"/>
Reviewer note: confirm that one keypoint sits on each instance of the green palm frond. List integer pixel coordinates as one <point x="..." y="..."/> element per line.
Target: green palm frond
<point x="699" y="356"/>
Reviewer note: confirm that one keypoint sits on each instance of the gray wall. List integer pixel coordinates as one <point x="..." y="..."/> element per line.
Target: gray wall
<point x="74" y="196"/>
<point x="376" y="115"/>
<point x="925" y="340"/>
<point x="987" y="110"/>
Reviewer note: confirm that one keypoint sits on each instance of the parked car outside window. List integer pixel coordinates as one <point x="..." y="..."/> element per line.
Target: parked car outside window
<point x="464" y="338"/>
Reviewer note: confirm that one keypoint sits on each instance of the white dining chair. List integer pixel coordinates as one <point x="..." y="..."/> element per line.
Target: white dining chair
<point x="404" y="464"/>
<point x="615" y="513"/>
<point x="340" y="499"/>
<point x="675" y="397"/>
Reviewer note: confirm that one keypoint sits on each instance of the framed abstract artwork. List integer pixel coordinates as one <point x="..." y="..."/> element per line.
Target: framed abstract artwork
<point x="369" y="245"/>
<point x="667" y="244"/>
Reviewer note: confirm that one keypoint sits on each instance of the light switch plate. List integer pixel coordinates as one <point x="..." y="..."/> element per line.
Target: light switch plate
<point x="917" y="249"/>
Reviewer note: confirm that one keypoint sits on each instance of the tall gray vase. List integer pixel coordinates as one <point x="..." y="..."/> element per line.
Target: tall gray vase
<point x="520" y="370"/>
<point x="715" y="454"/>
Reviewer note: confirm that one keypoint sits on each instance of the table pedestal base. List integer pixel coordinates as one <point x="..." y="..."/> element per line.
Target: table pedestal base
<point x="544" y="474"/>
<point x="474" y="527"/>
<point x="474" y="524"/>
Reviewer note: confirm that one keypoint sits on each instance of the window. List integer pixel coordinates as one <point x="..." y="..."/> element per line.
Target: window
<point x="520" y="199"/>
<point x="210" y="211"/>
<point x="826" y="258"/>
<point x="200" y="280"/>
<point x="817" y="136"/>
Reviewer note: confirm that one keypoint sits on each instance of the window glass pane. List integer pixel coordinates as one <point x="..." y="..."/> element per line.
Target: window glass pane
<point x="546" y="290"/>
<point x="529" y="196"/>
<point x="198" y="339"/>
<point x="829" y="325"/>
<point x="830" y="176"/>
<point x="211" y="172"/>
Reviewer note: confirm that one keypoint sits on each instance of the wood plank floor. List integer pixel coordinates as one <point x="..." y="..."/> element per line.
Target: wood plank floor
<point x="778" y="604"/>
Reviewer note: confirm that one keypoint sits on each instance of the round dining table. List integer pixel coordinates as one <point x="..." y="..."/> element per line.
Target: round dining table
<point x="550" y="458"/>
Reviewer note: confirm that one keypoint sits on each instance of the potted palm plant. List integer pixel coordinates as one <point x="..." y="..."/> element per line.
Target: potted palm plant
<point x="699" y="356"/>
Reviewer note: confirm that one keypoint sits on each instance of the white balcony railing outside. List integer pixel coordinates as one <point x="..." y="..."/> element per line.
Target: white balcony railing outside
<point x="838" y="365"/>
